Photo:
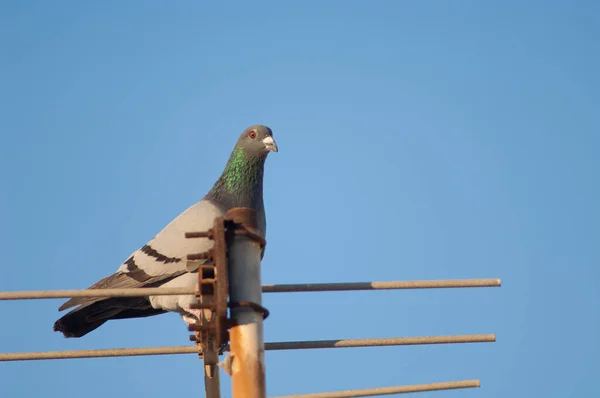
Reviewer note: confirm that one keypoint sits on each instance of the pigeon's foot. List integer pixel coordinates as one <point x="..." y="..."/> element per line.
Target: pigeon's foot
<point x="190" y="319"/>
<point x="192" y="316"/>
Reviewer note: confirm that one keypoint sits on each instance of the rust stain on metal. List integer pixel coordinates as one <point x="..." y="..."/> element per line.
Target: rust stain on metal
<point x="247" y="368"/>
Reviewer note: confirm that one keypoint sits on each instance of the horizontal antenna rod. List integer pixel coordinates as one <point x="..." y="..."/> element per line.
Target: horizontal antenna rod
<point x="275" y="346"/>
<point x="302" y="287"/>
<point x="371" y="392"/>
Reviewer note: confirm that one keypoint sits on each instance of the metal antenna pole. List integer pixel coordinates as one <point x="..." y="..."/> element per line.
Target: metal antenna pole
<point x="247" y="362"/>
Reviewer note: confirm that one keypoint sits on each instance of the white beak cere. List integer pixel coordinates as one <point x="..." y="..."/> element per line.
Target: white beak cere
<point x="270" y="144"/>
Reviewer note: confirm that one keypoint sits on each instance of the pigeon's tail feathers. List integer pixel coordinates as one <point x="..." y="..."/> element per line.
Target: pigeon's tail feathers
<point x="121" y="280"/>
<point x="85" y="319"/>
<point x="114" y="281"/>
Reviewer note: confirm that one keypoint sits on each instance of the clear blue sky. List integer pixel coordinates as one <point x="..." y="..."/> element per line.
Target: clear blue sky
<point x="418" y="140"/>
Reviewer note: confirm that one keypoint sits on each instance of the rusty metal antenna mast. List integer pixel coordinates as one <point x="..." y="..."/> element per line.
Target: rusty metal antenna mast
<point x="233" y="270"/>
<point x="246" y="363"/>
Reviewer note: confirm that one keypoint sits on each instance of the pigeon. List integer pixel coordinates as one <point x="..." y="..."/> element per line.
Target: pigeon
<point x="162" y="261"/>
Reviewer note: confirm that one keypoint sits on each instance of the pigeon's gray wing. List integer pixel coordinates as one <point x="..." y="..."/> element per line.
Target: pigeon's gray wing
<point x="164" y="257"/>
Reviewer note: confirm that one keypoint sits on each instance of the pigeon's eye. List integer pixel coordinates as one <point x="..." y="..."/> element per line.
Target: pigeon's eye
<point x="252" y="134"/>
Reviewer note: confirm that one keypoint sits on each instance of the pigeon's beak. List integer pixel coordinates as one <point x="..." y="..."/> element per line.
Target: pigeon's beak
<point x="270" y="144"/>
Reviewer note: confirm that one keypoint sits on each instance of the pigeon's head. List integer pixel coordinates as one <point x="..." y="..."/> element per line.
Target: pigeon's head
<point x="257" y="140"/>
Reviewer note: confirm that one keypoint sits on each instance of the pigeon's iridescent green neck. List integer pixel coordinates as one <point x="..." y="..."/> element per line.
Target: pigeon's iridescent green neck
<point x="237" y="170"/>
<point x="240" y="185"/>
